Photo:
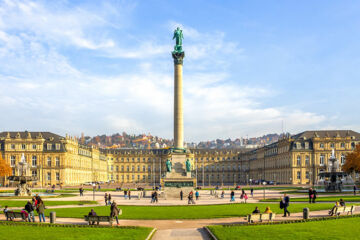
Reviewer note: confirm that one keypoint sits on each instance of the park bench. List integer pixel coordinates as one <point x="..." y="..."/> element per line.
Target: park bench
<point x="13" y="215"/>
<point x="260" y="217"/>
<point x="254" y="217"/>
<point x="347" y="210"/>
<point x="267" y="217"/>
<point x="98" y="219"/>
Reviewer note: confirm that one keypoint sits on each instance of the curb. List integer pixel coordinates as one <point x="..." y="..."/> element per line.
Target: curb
<point x="210" y="233"/>
<point x="151" y="234"/>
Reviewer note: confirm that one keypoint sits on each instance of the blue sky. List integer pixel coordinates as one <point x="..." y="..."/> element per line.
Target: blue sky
<point x="105" y="66"/>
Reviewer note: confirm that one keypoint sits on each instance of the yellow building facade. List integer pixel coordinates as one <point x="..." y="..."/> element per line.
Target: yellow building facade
<point x="53" y="159"/>
<point x="300" y="158"/>
<point x="296" y="159"/>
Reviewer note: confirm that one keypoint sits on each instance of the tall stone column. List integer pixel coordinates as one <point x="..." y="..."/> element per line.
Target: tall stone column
<point x="178" y="100"/>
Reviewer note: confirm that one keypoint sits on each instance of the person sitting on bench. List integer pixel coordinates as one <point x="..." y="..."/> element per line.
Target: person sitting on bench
<point x="6" y="210"/>
<point x="256" y="210"/>
<point x="268" y="210"/>
<point x="332" y="211"/>
<point x="92" y="213"/>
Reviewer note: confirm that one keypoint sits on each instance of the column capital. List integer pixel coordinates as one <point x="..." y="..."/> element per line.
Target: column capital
<point x="178" y="57"/>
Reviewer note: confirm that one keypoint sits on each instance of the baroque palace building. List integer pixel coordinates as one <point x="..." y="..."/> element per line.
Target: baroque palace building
<point x="296" y="159"/>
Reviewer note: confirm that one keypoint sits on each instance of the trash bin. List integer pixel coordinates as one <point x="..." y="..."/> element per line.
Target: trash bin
<point x="306" y="213"/>
<point x="52" y="217"/>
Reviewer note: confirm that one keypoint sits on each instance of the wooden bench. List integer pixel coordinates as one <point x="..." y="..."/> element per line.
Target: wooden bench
<point x="347" y="210"/>
<point x="98" y="219"/>
<point x="267" y="217"/>
<point x="260" y="217"/>
<point x="13" y="215"/>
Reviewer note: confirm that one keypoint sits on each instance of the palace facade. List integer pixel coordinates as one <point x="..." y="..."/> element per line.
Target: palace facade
<point x="296" y="159"/>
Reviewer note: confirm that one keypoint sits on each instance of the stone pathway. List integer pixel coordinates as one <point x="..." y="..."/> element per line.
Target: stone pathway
<point x="187" y="229"/>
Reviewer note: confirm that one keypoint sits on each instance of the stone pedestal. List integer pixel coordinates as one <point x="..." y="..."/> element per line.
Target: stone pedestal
<point x="178" y="179"/>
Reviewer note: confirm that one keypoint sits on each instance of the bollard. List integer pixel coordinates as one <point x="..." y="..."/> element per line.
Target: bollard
<point x="52" y="217"/>
<point x="306" y="213"/>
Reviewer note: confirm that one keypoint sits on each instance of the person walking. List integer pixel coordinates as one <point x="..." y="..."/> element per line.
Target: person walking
<point x="355" y="190"/>
<point x="311" y="195"/>
<point x="106" y="199"/>
<point x="232" y="196"/>
<point x="252" y="192"/>
<point x="129" y="194"/>
<point x="30" y="209"/>
<point x="245" y="197"/>
<point x="81" y="190"/>
<point x="222" y="194"/>
<point x="109" y="199"/>
<point x="285" y="204"/>
<point x="152" y="197"/>
<point x="197" y="195"/>
<point x="41" y="210"/>
<point x="181" y="195"/>
<point x="191" y="198"/>
<point x="125" y="194"/>
<point x="156" y="197"/>
<point x="314" y="196"/>
<point x="114" y="212"/>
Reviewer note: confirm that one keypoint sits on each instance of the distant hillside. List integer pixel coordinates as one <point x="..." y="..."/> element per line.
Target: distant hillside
<point x="147" y="141"/>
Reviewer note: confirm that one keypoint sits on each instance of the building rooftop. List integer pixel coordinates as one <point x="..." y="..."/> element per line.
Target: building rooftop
<point x="327" y="133"/>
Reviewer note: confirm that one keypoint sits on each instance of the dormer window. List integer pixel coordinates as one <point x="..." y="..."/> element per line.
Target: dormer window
<point x="23" y="146"/>
<point x="57" y="146"/>
<point x="49" y="146"/>
<point x="321" y="145"/>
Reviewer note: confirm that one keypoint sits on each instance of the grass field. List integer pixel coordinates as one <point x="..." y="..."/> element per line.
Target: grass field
<point x="320" y="199"/>
<point x="28" y="232"/>
<point x="345" y="228"/>
<point x="184" y="212"/>
<point x="19" y="203"/>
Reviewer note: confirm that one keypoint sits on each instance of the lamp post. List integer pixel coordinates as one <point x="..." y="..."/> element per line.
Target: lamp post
<point x="94" y="186"/>
<point x="203" y="174"/>
<point x="196" y="172"/>
<point x="264" y="183"/>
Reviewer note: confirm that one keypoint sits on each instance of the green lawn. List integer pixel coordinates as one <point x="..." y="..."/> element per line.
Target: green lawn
<point x="320" y="199"/>
<point x="28" y="232"/>
<point x="19" y="203"/>
<point x="345" y="228"/>
<point x="185" y="212"/>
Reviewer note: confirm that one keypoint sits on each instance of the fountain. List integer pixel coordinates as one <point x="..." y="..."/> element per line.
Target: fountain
<point x="23" y="178"/>
<point x="334" y="181"/>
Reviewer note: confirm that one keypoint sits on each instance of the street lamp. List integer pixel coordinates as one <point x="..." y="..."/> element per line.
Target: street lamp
<point x="94" y="186"/>
<point x="264" y="183"/>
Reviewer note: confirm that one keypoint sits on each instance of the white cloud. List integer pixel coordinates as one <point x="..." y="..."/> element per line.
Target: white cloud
<point x="42" y="83"/>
